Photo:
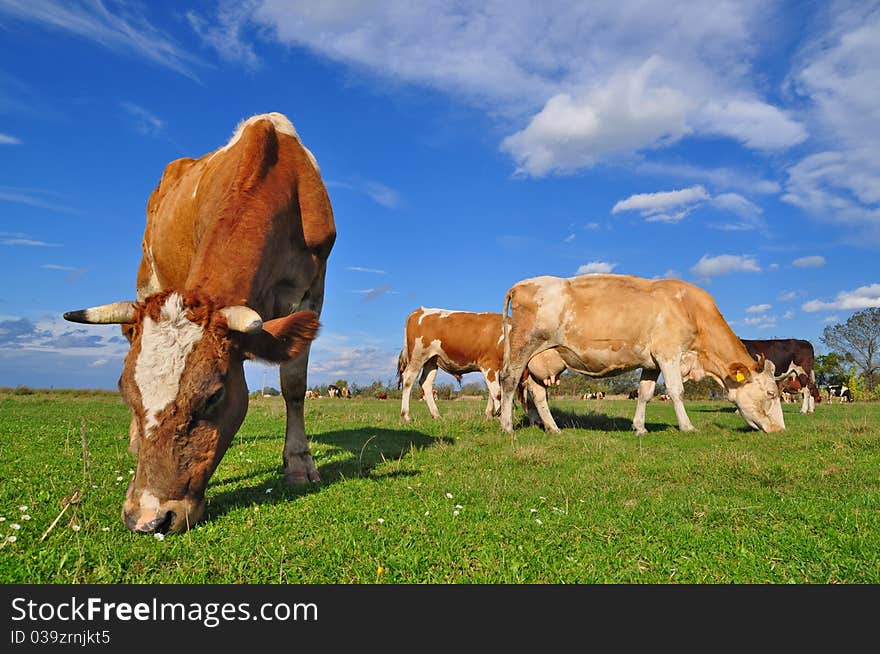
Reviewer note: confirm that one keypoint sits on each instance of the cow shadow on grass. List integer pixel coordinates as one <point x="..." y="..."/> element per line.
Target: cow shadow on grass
<point x="352" y="454"/>
<point x="595" y="422"/>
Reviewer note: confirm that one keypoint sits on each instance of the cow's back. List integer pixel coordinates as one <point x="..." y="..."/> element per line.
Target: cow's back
<point x="237" y="220"/>
<point x="466" y="338"/>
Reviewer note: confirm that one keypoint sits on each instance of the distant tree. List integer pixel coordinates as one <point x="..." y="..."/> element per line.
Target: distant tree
<point x="858" y="341"/>
<point x="268" y="390"/>
<point x="473" y="388"/>
<point x="830" y="369"/>
<point x="705" y="389"/>
<point x="341" y="383"/>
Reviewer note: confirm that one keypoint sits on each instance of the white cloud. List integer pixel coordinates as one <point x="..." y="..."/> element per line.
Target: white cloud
<point x="596" y="267"/>
<point x="650" y="204"/>
<point x="596" y="80"/>
<point x="382" y="195"/>
<point x="379" y="193"/>
<point x="790" y="295"/>
<point x="98" y="362"/>
<point x="569" y="238"/>
<point x="54" y="266"/>
<point x="28" y="242"/>
<point x="737" y="204"/>
<point x="145" y="121"/>
<point x="759" y="308"/>
<point x="788" y="315"/>
<point x="368" y="270"/>
<point x="6" y="139"/>
<point x="28" y="197"/>
<point x="830" y="319"/>
<point x="863" y="297"/>
<point x="809" y="262"/>
<point x="837" y="75"/>
<point x="724" y="264"/>
<point x="723" y="178"/>
<point x="128" y="31"/>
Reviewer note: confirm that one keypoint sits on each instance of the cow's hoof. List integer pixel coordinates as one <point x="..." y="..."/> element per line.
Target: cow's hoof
<point x="301" y="469"/>
<point x="640" y="431"/>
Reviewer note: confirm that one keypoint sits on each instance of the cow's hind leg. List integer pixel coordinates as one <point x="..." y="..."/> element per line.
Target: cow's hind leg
<point x="647" y="383"/>
<point x="539" y="398"/>
<point x="299" y="467"/>
<point x="408" y="379"/>
<point x="426" y="381"/>
<point x="493" y="385"/>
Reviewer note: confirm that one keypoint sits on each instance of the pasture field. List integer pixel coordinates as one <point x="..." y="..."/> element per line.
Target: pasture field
<point x="457" y="500"/>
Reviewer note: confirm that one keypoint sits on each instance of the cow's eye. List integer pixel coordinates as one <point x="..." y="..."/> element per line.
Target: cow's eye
<point x="215" y="399"/>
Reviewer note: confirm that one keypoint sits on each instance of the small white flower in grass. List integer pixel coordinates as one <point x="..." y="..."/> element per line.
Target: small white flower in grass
<point x="2" y="518"/>
<point x="538" y="521"/>
<point x="249" y="460"/>
<point x="533" y="510"/>
<point x="427" y="513"/>
<point x="459" y="506"/>
<point x="455" y="512"/>
<point x="15" y="526"/>
<point x="94" y="485"/>
<point x="75" y="527"/>
<point x="25" y="516"/>
<point x="449" y="495"/>
<point x="130" y="471"/>
<point x="543" y="499"/>
<point x="120" y="478"/>
<point x="268" y="490"/>
<point x="23" y="508"/>
<point x="11" y="539"/>
<point x="159" y="536"/>
<point x="105" y="528"/>
<point x="380" y="520"/>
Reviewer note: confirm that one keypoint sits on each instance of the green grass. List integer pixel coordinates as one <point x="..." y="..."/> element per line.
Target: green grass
<point x="594" y="504"/>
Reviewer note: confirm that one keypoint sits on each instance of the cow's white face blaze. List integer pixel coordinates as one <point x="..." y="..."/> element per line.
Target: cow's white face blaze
<point x="757" y="399"/>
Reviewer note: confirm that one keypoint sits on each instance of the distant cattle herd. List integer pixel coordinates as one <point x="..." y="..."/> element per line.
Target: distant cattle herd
<point x="235" y="254"/>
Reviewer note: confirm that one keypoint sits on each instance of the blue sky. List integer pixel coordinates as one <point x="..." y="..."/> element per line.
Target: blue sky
<point x="465" y="146"/>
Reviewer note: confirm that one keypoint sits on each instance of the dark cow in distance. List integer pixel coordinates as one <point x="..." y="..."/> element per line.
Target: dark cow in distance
<point x="791" y="357"/>
<point x="234" y="259"/>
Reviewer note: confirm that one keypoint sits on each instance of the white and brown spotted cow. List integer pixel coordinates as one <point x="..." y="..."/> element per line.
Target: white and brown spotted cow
<point x="790" y="356"/>
<point x="233" y="267"/>
<point x="603" y="325"/>
<point x="460" y="342"/>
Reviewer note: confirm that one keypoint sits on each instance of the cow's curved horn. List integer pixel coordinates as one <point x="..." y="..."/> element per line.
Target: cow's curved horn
<point x="106" y="314"/>
<point x="242" y="319"/>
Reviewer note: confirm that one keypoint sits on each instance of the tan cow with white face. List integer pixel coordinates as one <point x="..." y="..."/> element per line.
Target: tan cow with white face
<point x="234" y="260"/>
<point x="603" y="325"/>
<point x="460" y="342"/>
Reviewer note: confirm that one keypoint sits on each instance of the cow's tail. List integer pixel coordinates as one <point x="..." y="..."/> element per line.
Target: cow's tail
<point x="402" y="362"/>
<point x="505" y="329"/>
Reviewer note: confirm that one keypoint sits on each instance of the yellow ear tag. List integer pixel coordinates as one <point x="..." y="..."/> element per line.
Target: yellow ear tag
<point x="740" y="377"/>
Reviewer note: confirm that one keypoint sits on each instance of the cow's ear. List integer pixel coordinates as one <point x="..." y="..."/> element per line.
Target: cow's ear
<point x="769" y="367"/>
<point x="281" y="339"/>
<point x="738" y="373"/>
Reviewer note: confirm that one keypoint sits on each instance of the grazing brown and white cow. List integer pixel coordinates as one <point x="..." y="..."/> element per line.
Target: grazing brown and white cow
<point x="345" y="393"/>
<point x="603" y="325"/>
<point x="233" y="267"/>
<point x="790" y="356"/>
<point x="460" y="342"/>
<point x="333" y="391"/>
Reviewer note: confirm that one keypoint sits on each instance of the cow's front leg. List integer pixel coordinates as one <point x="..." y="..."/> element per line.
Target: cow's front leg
<point x="647" y="383"/>
<point x="299" y="467"/>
